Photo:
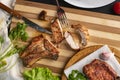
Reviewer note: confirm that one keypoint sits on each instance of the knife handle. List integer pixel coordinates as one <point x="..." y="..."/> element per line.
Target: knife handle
<point x="12" y="12"/>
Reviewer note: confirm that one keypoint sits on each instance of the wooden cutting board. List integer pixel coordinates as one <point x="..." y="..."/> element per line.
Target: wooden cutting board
<point x="103" y="29"/>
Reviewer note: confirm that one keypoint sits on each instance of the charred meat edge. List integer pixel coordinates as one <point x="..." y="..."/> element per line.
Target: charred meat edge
<point x="77" y="36"/>
<point x="42" y="15"/>
<point x="105" y="72"/>
<point x="36" y="41"/>
<point x="83" y="32"/>
<point x="57" y="31"/>
<point x="48" y="51"/>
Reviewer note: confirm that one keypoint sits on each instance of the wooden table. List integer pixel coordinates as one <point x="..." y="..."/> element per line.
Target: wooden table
<point x="103" y="29"/>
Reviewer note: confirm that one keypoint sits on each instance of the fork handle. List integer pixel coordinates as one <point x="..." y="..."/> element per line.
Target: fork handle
<point x="58" y="3"/>
<point x="12" y="12"/>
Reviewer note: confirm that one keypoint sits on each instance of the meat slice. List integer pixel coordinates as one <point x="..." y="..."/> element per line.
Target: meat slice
<point x="99" y="70"/>
<point x="77" y="36"/>
<point x="35" y="46"/>
<point x="51" y="48"/>
<point x="42" y="15"/>
<point x="83" y="32"/>
<point x="39" y="48"/>
<point x="73" y="41"/>
<point x="32" y="58"/>
<point x="57" y="31"/>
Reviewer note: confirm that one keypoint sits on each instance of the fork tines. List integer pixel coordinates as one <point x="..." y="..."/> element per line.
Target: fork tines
<point x="62" y="16"/>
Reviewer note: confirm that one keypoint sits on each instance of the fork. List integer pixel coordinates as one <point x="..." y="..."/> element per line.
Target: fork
<point x="62" y="16"/>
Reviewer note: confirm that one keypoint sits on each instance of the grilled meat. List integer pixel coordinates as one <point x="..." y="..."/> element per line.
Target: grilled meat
<point x="42" y="15"/>
<point x="35" y="46"/>
<point x="39" y="48"/>
<point x="77" y="36"/>
<point x="57" y="31"/>
<point x="99" y="70"/>
<point x="72" y="40"/>
<point x="31" y="59"/>
<point x="51" y="48"/>
<point x="83" y="32"/>
<point x="118" y="78"/>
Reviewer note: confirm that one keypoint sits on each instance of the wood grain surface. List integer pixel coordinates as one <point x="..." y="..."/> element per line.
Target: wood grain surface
<point x="103" y="29"/>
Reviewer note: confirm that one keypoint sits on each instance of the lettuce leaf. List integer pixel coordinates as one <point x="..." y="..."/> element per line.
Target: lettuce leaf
<point x="39" y="74"/>
<point x="76" y="75"/>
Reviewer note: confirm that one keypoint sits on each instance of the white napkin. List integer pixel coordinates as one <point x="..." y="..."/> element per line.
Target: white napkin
<point x="14" y="72"/>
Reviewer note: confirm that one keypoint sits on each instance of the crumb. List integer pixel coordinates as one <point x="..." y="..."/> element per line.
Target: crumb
<point x="42" y="15"/>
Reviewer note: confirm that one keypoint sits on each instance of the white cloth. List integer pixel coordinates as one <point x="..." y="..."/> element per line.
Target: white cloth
<point x="9" y="3"/>
<point x="14" y="72"/>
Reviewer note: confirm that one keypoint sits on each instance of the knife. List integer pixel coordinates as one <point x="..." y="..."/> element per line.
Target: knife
<point x="26" y="20"/>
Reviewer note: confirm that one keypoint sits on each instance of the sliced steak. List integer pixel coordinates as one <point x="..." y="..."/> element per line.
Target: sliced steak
<point x="39" y="48"/>
<point x="31" y="59"/>
<point x="99" y="70"/>
<point x="57" y="31"/>
<point x="52" y="49"/>
<point x="35" y="46"/>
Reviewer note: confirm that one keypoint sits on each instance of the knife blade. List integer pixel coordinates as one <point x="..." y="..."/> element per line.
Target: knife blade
<point x="26" y="20"/>
<point x="35" y="26"/>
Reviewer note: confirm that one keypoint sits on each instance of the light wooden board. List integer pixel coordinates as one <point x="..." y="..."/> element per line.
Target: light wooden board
<point x="103" y="29"/>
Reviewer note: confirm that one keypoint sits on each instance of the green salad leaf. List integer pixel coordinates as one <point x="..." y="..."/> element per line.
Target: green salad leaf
<point x="76" y="75"/>
<point x="39" y="74"/>
<point x="19" y="32"/>
<point x="20" y="49"/>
